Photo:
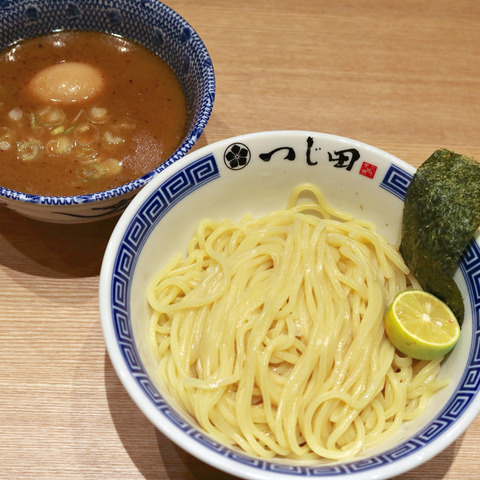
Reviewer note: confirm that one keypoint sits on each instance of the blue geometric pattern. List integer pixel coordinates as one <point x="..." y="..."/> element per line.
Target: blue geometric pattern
<point x="148" y="22"/>
<point x="184" y="182"/>
<point x="396" y="181"/>
<point x="192" y="177"/>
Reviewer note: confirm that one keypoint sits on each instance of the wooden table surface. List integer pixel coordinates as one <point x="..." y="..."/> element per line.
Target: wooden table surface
<point x="403" y="76"/>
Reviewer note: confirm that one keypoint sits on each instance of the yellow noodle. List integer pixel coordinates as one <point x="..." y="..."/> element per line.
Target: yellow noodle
<point x="270" y="333"/>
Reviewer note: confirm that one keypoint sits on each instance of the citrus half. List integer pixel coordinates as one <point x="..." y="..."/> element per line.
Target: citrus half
<point x="420" y="325"/>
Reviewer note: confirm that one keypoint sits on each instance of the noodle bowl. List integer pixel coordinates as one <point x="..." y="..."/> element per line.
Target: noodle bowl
<point x="270" y="333"/>
<point x="252" y="174"/>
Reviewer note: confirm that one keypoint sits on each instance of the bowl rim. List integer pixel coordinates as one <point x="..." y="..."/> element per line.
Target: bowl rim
<point x="191" y="136"/>
<point x="195" y="447"/>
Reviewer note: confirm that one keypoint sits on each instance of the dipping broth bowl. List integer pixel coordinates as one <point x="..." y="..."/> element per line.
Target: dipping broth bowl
<point x="149" y="23"/>
<point x="255" y="174"/>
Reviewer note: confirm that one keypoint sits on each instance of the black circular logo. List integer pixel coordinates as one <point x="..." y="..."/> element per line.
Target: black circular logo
<point x="237" y="156"/>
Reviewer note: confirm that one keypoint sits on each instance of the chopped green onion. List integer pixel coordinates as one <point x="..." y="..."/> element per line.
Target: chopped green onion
<point x="57" y="130"/>
<point x="15" y="114"/>
<point x="86" y="133"/>
<point x="69" y="129"/>
<point x="112" y="166"/>
<point x="29" y="149"/>
<point x="49" y="115"/>
<point x="98" y="115"/>
<point x="33" y="121"/>
<point x="91" y="172"/>
<point x="85" y="153"/>
<point x="59" y="145"/>
<point x="125" y="125"/>
<point x="7" y="138"/>
<point x="112" y="139"/>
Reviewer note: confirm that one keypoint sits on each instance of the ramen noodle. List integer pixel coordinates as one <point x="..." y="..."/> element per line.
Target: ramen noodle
<point x="270" y="334"/>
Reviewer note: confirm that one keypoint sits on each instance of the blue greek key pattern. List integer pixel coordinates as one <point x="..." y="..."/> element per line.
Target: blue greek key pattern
<point x="122" y="324"/>
<point x="120" y="289"/>
<point x="472" y="378"/>
<point x="192" y="177"/>
<point x="207" y="441"/>
<point x="159" y="203"/>
<point x="149" y="389"/>
<point x="177" y="419"/>
<point x="178" y="186"/>
<point x="396" y="181"/>
<point x="470" y="267"/>
<point x="136" y="233"/>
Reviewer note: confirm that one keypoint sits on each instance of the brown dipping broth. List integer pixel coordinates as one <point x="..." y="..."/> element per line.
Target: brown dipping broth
<point x="131" y="127"/>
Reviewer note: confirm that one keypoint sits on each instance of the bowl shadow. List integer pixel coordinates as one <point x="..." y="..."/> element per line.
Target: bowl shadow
<point x="435" y="469"/>
<point x="154" y="455"/>
<point x="51" y="249"/>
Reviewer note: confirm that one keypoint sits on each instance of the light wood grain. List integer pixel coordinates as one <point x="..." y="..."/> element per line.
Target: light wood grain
<point x="403" y="76"/>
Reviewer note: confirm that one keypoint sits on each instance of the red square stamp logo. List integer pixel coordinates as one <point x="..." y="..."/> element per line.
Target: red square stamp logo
<point x="368" y="170"/>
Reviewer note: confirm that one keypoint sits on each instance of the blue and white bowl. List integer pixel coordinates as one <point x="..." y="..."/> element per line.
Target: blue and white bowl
<point x="256" y="173"/>
<point x="149" y="23"/>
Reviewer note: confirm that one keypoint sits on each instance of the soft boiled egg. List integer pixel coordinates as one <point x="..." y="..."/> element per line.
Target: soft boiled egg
<point x="68" y="82"/>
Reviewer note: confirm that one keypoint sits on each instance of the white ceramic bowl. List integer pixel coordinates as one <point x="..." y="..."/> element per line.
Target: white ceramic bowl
<point x="255" y="173"/>
<point x="149" y="23"/>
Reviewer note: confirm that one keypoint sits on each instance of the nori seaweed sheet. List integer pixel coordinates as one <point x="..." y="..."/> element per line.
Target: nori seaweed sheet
<point x="440" y="216"/>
